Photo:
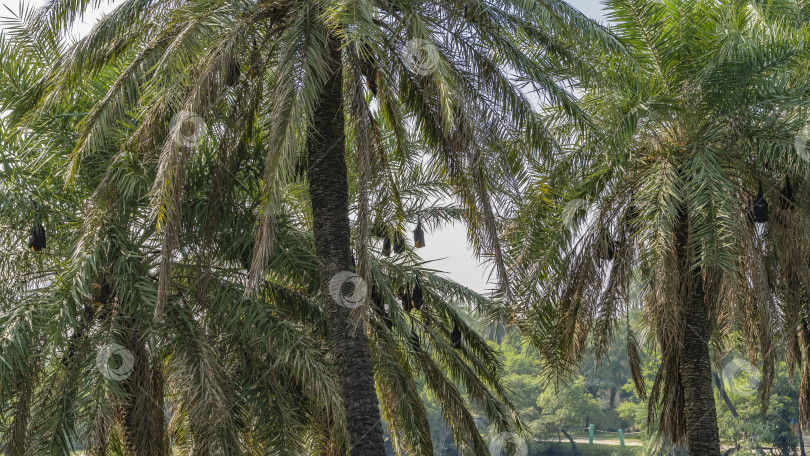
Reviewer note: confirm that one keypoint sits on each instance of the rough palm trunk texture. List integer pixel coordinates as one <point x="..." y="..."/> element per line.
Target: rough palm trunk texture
<point x="17" y="442"/>
<point x="142" y="423"/>
<point x="702" y="436"/>
<point x="159" y="408"/>
<point x="329" y="194"/>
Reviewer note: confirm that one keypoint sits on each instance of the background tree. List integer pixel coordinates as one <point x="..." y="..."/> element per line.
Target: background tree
<point x="563" y="409"/>
<point x="751" y="430"/>
<point x="658" y="197"/>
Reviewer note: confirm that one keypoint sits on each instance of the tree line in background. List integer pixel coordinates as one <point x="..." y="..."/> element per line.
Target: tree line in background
<point x="603" y="394"/>
<point x="218" y="198"/>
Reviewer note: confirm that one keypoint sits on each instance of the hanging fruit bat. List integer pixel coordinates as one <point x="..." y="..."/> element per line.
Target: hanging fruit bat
<point x="378" y="229"/>
<point x="232" y="72"/>
<point x="419" y="236"/>
<point x="246" y="256"/>
<point x="631" y="220"/>
<point x="405" y="296"/>
<point x="392" y="7"/>
<point x="379" y="307"/>
<point x="254" y="52"/>
<point x="78" y="334"/>
<point x="368" y="66"/>
<point x="103" y="292"/>
<point x="36" y="239"/>
<point x="416" y="297"/>
<point x="455" y="337"/>
<point x="787" y="195"/>
<point x="759" y="212"/>
<point x="607" y="249"/>
<point x="399" y="243"/>
<point x="472" y="13"/>
<point x="386" y="250"/>
<point x="301" y="168"/>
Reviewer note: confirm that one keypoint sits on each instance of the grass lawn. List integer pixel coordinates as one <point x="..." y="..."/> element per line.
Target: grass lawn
<point x="590" y="450"/>
<point x="583" y="433"/>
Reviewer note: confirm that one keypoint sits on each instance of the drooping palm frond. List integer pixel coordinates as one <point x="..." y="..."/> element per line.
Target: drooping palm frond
<point x="463" y="106"/>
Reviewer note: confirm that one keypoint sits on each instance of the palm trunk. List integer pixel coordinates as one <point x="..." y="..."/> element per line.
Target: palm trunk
<point x="700" y="414"/>
<point x="142" y="420"/>
<point x="18" y="439"/>
<point x="159" y="408"/>
<point x="329" y="193"/>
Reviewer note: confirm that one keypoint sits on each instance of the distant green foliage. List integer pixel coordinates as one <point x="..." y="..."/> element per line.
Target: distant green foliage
<point x="752" y="429"/>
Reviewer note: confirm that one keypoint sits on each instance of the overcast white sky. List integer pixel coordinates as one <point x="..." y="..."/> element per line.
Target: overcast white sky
<point x="447" y="248"/>
<point x="592" y="8"/>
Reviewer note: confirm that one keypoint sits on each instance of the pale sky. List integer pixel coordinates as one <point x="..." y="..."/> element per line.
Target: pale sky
<point x="451" y="242"/>
<point x="448" y="247"/>
<point x="591" y="8"/>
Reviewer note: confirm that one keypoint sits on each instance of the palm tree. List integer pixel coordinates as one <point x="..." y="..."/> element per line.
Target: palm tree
<point x="783" y="261"/>
<point x="238" y="374"/>
<point x="683" y="135"/>
<point x="298" y="76"/>
<point x="90" y="287"/>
